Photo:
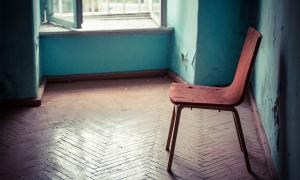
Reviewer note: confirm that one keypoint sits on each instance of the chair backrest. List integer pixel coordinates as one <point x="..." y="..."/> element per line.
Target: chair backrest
<point x="236" y="91"/>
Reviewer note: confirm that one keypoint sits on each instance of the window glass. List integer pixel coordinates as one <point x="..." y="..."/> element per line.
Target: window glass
<point x="156" y="11"/>
<point x="105" y="7"/>
<point x="64" y="9"/>
<point x="65" y="12"/>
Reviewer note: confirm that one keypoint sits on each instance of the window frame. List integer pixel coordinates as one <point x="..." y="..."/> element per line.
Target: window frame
<point x="77" y="21"/>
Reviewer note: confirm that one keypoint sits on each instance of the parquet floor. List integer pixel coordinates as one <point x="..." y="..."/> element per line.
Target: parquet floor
<point x="117" y="129"/>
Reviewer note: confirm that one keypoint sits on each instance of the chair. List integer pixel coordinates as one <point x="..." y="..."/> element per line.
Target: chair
<point x="217" y="98"/>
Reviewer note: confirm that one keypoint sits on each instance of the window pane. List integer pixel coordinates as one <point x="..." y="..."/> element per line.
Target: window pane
<point x="64" y="10"/>
<point x="156" y="7"/>
<point x="68" y="6"/>
<point x="105" y="7"/>
<point x="55" y="6"/>
<point x="132" y="6"/>
<point x="92" y="6"/>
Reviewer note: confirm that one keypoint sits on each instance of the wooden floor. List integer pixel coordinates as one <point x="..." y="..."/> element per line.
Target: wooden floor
<point x="117" y="129"/>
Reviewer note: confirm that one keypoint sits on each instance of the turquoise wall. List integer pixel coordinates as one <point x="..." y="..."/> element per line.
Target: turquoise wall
<point x="85" y="54"/>
<point x="266" y="76"/>
<point x="222" y="26"/>
<point x="183" y="16"/>
<point x="276" y="82"/>
<point x="18" y="66"/>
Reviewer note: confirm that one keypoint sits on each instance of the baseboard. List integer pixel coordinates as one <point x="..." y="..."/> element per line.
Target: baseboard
<point x="41" y="91"/>
<point x="86" y="77"/>
<point x="175" y="77"/>
<point x="26" y="102"/>
<point x="104" y="76"/>
<point x="262" y="136"/>
<point x="82" y="77"/>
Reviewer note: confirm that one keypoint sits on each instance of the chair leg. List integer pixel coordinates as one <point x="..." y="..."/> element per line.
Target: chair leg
<point x="171" y="130"/>
<point x="240" y="131"/>
<point x="177" y="118"/>
<point x="237" y="131"/>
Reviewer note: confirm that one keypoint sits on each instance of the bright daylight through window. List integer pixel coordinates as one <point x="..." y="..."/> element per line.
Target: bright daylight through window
<point x="105" y="14"/>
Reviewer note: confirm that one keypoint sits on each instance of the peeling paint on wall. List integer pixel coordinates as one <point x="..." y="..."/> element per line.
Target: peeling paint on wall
<point x="275" y="110"/>
<point x="276" y="82"/>
<point x="183" y="16"/>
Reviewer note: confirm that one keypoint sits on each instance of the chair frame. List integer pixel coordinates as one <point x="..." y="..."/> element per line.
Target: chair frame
<point x="178" y="107"/>
<point x="175" y="124"/>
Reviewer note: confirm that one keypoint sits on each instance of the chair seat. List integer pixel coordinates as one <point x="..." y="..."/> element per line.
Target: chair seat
<point x="199" y="95"/>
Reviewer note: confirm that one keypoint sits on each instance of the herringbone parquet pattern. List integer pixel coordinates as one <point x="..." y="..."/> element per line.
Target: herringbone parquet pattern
<point x="117" y="129"/>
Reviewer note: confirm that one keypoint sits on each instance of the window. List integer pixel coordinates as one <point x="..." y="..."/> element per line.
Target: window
<point x="65" y="13"/>
<point x="105" y="14"/>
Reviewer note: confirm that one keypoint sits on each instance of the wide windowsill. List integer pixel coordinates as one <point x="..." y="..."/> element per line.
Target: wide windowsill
<point x="107" y="25"/>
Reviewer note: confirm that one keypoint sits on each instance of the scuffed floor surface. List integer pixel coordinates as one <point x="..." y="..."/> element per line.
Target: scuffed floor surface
<point x="117" y="129"/>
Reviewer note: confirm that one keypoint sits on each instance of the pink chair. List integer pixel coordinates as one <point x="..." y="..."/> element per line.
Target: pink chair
<point x="218" y="98"/>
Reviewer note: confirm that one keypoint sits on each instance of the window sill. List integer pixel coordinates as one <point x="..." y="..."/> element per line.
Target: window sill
<point x="158" y="30"/>
<point x="113" y="28"/>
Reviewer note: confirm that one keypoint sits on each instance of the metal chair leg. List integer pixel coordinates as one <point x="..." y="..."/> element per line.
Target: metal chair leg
<point x="237" y="131"/>
<point x="240" y="131"/>
<point x="177" y="118"/>
<point x="171" y="130"/>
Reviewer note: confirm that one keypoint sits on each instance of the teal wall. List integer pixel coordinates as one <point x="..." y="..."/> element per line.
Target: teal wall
<point x="222" y="26"/>
<point x="18" y="66"/>
<point x="86" y="54"/>
<point x="183" y="16"/>
<point x="276" y="82"/>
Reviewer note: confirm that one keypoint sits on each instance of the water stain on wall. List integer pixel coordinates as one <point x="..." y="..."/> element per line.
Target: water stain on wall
<point x="275" y="110"/>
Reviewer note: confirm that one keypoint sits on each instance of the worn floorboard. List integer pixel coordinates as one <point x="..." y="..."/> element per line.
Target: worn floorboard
<point x="117" y="129"/>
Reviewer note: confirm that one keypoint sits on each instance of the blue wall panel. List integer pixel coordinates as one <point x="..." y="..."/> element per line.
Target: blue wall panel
<point x="85" y="54"/>
<point x="222" y="26"/>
